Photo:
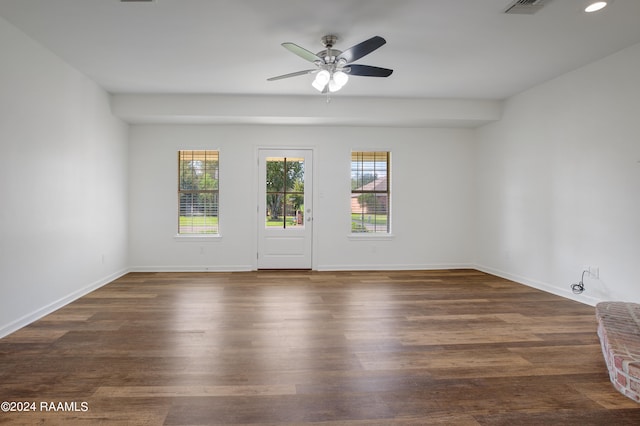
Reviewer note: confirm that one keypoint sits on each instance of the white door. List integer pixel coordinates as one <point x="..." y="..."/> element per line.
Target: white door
<point x="284" y="208"/>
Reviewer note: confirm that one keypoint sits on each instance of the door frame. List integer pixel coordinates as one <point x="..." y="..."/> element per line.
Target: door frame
<point x="260" y="215"/>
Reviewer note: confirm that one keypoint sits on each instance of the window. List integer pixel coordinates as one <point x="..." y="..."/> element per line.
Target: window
<point x="370" y="178"/>
<point x="198" y="192"/>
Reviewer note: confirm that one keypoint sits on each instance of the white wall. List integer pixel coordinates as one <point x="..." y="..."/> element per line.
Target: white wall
<point x="63" y="204"/>
<point x="558" y="183"/>
<point x="432" y="183"/>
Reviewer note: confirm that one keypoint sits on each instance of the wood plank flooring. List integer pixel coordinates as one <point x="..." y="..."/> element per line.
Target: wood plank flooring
<point x="336" y="348"/>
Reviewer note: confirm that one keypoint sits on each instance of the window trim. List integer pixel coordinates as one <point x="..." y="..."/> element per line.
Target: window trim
<point x="374" y="235"/>
<point x="370" y="236"/>
<point x="198" y="237"/>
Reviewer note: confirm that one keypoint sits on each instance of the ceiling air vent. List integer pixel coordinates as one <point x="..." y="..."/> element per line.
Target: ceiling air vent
<point x="525" y="7"/>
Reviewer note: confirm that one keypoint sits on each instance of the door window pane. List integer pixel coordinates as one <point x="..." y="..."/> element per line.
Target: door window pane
<point x="285" y="192"/>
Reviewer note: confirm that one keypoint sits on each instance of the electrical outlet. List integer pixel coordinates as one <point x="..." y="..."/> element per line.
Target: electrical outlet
<point x="594" y="271"/>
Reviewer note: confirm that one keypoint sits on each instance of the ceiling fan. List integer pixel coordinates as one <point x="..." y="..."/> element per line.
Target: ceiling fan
<point x="333" y="66"/>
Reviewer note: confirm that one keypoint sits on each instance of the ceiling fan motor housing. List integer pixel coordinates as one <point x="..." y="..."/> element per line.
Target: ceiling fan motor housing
<point x="329" y="54"/>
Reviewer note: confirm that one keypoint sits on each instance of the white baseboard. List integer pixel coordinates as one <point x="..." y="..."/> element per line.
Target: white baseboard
<point x="51" y="307"/>
<point x="546" y="287"/>
<point x="197" y="268"/>
<point x="395" y="267"/>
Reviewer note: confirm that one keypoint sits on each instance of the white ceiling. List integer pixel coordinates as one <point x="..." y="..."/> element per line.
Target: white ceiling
<point x="465" y="49"/>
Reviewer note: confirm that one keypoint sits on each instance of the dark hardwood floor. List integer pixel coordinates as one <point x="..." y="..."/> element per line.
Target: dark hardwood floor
<point x="356" y="348"/>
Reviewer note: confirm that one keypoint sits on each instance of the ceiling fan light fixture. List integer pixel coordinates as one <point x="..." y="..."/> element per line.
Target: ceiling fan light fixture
<point x="596" y="6"/>
<point x="338" y="80"/>
<point x="340" y="77"/>
<point x="321" y="80"/>
<point x="318" y="86"/>
<point x="333" y="86"/>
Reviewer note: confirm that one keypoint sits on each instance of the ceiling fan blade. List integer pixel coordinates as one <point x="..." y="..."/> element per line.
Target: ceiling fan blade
<point x="293" y="74"/>
<point x="361" y="49"/>
<point x="369" y="71"/>
<point x="301" y="51"/>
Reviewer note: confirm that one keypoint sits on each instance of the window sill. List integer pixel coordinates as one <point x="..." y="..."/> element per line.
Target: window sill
<point x="198" y="238"/>
<point x="370" y="237"/>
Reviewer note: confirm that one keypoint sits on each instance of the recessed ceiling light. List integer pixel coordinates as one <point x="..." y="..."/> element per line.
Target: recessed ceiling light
<point x="595" y="6"/>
